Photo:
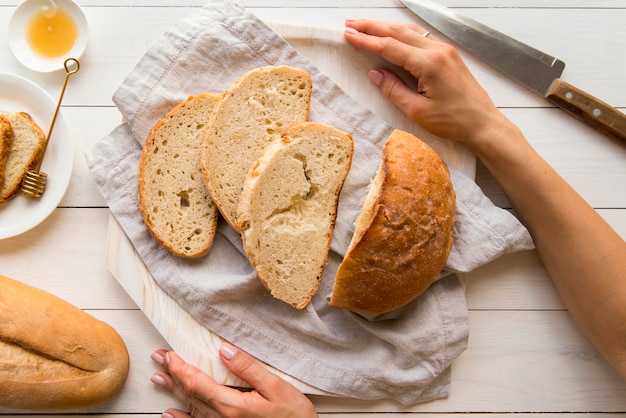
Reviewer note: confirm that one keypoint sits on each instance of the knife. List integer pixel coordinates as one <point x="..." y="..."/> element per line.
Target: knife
<point x="530" y="67"/>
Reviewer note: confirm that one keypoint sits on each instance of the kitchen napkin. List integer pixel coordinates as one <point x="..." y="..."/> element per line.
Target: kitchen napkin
<point x="403" y="355"/>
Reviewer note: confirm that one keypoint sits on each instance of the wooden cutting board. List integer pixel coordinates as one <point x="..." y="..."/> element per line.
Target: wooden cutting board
<point x="197" y="345"/>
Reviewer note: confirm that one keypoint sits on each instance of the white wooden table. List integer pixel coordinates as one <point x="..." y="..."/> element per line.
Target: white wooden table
<point x="525" y="355"/>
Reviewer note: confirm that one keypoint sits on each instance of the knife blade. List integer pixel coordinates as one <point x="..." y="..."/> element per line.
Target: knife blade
<point x="528" y="66"/>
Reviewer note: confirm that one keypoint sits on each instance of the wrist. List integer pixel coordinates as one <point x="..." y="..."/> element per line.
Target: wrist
<point x="497" y="138"/>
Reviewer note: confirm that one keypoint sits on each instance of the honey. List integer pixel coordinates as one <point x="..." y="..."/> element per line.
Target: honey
<point x="51" y="33"/>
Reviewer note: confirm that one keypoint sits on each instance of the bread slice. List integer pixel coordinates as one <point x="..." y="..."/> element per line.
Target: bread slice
<point x="173" y="198"/>
<point x="404" y="233"/>
<point x="28" y="144"/>
<point x="6" y="142"/>
<point x="288" y="208"/>
<point x="252" y="114"/>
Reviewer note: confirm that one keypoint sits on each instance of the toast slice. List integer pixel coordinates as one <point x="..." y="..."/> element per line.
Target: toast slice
<point x="288" y="207"/>
<point x="173" y="198"/>
<point x="28" y="144"/>
<point x="251" y="114"/>
<point x="6" y="142"/>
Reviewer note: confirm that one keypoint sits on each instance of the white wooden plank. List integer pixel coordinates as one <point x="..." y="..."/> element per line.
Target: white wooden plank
<point x="597" y="4"/>
<point x="520" y="362"/>
<point x="593" y="55"/>
<point x="64" y="255"/>
<point x="88" y="125"/>
<point x="516" y="362"/>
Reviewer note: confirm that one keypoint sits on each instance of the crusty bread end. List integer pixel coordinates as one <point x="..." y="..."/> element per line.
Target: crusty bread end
<point x="6" y="142"/>
<point x="404" y="233"/>
<point x="28" y="144"/>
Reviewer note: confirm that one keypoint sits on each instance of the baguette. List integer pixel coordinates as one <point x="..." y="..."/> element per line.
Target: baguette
<point x="53" y="355"/>
<point x="173" y="199"/>
<point x="28" y="144"/>
<point x="251" y="114"/>
<point x="404" y="233"/>
<point x="288" y="207"/>
<point x="6" y="142"/>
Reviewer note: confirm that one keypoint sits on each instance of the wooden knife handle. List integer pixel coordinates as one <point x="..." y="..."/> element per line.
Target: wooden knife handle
<point x="589" y="109"/>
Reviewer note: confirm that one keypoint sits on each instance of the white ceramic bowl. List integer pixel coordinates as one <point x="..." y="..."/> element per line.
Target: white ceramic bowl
<point x="18" y="27"/>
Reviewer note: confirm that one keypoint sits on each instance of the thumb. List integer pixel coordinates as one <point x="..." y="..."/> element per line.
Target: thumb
<point x="248" y="369"/>
<point x="396" y="90"/>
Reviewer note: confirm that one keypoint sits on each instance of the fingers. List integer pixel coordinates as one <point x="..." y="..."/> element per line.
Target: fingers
<point x="394" y="42"/>
<point x="176" y="413"/>
<point x="193" y="388"/>
<point x="247" y="368"/>
<point x="394" y="89"/>
<point x="202" y="396"/>
<point x="404" y="32"/>
<point x="284" y="398"/>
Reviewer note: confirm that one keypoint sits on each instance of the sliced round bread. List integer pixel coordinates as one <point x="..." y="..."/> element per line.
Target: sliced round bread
<point x="173" y="198"/>
<point x="6" y="142"/>
<point x="288" y="207"/>
<point x="404" y="233"/>
<point x="252" y="113"/>
<point x="28" y="144"/>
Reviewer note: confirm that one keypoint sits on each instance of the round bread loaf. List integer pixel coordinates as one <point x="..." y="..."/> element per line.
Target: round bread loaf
<point x="53" y="355"/>
<point x="404" y="233"/>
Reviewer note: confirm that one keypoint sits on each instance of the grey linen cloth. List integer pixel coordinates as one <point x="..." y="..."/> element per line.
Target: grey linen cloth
<point x="403" y="355"/>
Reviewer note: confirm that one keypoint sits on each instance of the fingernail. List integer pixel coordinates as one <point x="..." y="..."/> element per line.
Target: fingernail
<point x="228" y="351"/>
<point x="376" y="76"/>
<point x="166" y="415"/>
<point x="158" y="380"/>
<point x="157" y="358"/>
<point x="167" y="358"/>
<point x="351" y="30"/>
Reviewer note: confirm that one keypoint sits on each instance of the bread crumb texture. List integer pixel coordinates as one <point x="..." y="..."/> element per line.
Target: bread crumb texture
<point x="288" y="208"/>
<point x="173" y="198"/>
<point x="24" y="151"/>
<point x="251" y="115"/>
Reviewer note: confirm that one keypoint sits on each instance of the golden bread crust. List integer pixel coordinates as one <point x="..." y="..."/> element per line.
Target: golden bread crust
<point x="404" y="242"/>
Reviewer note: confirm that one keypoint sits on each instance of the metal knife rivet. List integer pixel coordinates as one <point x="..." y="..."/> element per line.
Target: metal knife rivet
<point x="34" y="181"/>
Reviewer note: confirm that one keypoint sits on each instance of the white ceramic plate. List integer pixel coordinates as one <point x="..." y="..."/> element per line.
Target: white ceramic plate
<point x="19" y="45"/>
<point x="20" y="214"/>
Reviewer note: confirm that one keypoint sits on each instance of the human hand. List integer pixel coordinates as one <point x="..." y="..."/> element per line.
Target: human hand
<point x="448" y="101"/>
<point x="271" y="396"/>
